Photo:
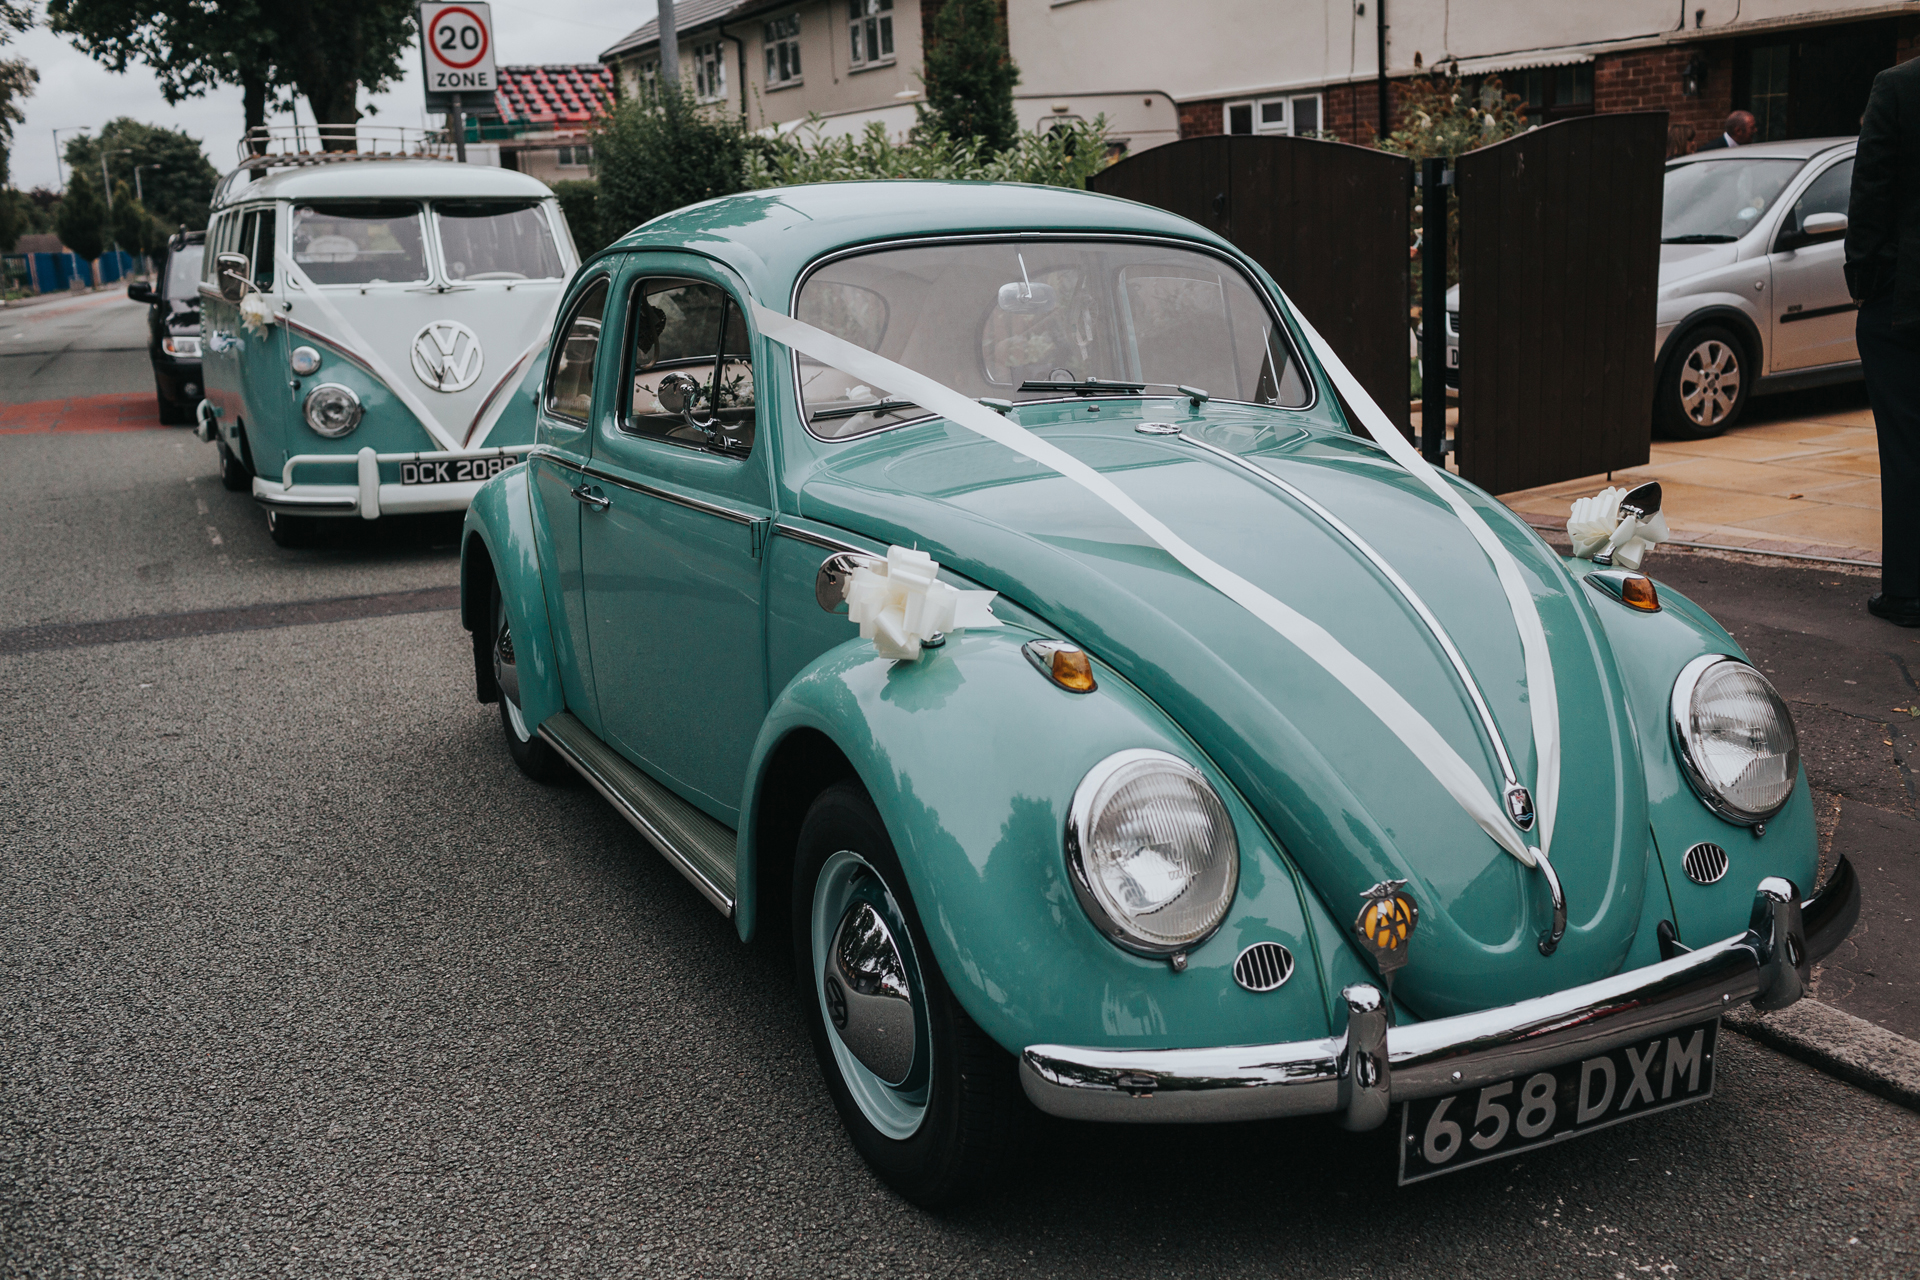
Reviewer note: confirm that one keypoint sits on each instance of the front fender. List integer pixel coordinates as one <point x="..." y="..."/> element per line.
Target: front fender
<point x="1650" y="649"/>
<point x="972" y="758"/>
<point x="497" y="543"/>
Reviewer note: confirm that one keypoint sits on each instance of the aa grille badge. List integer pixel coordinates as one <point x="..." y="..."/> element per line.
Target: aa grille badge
<point x="1386" y="925"/>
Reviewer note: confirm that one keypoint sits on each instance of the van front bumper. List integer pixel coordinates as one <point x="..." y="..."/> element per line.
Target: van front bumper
<point x="1362" y="1072"/>
<point x="368" y="497"/>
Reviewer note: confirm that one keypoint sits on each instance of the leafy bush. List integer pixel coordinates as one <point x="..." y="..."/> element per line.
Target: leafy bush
<point x="580" y="201"/>
<point x="1063" y="156"/>
<point x="969" y="77"/>
<point x="662" y="152"/>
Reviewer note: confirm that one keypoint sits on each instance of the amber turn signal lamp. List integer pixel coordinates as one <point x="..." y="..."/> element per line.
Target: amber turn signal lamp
<point x="1065" y="664"/>
<point x="1636" y="592"/>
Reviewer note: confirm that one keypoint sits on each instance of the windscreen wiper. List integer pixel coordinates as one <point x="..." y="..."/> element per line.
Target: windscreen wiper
<point x="1700" y="239"/>
<point x="1091" y="387"/>
<point x="875" y="407"/>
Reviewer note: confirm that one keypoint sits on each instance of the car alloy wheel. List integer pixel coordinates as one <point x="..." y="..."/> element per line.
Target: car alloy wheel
<point x="868" y="983"/>
<point x="1710" y="382"/>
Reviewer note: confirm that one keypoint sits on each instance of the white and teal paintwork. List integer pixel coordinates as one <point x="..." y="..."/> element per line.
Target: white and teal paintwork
<point x="256" y="400"/>
<point x="695" y="646"/>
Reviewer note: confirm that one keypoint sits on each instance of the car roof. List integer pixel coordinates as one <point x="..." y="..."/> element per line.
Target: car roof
<point x="376" y="179"/>
<point x="1796" y="149"/>
<point x="769" y="237"/>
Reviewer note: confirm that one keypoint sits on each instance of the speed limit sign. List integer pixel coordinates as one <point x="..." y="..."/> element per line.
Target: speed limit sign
<point x="456" y="45"/>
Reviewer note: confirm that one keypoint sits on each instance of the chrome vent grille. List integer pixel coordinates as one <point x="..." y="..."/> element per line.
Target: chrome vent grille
<point x="1263" y="966"/>
<point x="1705" y="863"/>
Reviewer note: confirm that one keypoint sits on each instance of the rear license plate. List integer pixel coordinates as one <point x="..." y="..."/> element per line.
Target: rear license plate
<point x="453" y="470"/>
<point x="1440" y="1135"/>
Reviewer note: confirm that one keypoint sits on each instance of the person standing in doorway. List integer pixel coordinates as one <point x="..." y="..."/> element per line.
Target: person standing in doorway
<point x="1883" y="275"/>
<point x="1739" y="132"/>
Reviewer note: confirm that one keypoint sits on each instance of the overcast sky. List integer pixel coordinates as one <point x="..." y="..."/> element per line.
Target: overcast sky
<point x="76" y="90"/>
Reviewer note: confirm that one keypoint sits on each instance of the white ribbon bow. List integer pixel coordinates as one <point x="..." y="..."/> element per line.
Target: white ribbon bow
<point x="1595" y="526"/>
<point x="900" y="604"/>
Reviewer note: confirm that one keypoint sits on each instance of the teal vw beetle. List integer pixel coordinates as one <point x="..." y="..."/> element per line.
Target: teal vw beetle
<point x="983" y="590"/>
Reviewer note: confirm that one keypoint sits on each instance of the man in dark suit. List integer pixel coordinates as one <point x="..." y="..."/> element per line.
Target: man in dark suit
<point x="1740" y="127"/>
<point x="1883" y="275"/>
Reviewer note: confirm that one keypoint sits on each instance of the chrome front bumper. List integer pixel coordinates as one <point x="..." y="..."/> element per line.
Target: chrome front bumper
<point x="367" y="497"/>
<point x="1362" y="1072"/>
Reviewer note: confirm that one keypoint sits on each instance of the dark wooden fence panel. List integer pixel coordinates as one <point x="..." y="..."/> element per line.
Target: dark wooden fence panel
<point x="1559" y="262"/>
<point x="1328" y="221"/>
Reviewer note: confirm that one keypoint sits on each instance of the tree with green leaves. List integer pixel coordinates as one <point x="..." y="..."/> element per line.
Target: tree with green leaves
<point x="82" y="220"/>
<point x="17" y="79"/>
<point x="176" y="180"/>
<point x="324" y="53"/>
<point x="969" y="76"/>
<point x="661" y="152"/>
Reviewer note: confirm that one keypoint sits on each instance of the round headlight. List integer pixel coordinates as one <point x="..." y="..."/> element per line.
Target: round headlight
<point x="304" y="361"/>
<point x="1151" y="852"/>
<point x="1736" y="739"/>
<point x="332" y="410"/>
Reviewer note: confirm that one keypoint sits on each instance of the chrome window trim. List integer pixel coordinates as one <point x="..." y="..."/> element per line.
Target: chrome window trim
<point x="635" y="486"/>
<point x="819" y="540"/>
<point x="1277" y="312"/>
<point x="1679" y="711"/>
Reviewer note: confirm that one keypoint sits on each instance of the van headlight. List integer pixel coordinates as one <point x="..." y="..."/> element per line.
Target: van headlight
<point x="333" y="410"/>
<point x="1735" y="738"/>
<point x="1151" y="852"/>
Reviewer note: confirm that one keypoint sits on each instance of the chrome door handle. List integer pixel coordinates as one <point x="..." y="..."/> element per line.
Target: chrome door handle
<point x="591" y="496"/>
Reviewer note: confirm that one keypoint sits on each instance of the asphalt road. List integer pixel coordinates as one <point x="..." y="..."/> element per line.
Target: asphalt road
<point x="86" y="345"/>
<point x="298" y="975"/>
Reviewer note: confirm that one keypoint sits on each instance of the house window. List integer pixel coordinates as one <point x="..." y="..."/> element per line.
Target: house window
<point x="783" y="51"/>
<point x="709" y="71"/>
<point x="1552" y="93"/>
<point x="872" y="35"/>
<point x="1767" y="91"/>
<point x="578" y="156"/>
<point x="1292" y="115"/>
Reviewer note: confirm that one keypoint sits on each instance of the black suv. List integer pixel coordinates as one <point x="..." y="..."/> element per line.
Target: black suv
<point x="173" y="325"/>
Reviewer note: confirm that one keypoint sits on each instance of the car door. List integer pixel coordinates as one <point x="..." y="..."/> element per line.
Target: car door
<point x="1812" y="314"/>
<point x="671" y="548"/>
<point x="580" y="381"/>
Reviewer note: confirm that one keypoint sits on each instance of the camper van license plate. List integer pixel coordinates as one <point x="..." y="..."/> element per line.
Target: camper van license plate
<point x="454" y="470"/>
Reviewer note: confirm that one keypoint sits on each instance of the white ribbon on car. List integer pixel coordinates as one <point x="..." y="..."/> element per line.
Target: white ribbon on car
<point x="1454" y="774"/>
<point x="365" y="352"/>
<point x="900" y="603"/>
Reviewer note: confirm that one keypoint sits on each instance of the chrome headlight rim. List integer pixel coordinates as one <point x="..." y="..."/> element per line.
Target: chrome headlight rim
<point x="1080" y="819"/>
<point x="1680" y="719"/>
<point x="307" y="410"/>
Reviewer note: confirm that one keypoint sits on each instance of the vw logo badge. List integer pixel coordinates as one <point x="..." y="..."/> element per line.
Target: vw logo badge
<point x="1520" y="807"/>
<point x="446" y="356"/>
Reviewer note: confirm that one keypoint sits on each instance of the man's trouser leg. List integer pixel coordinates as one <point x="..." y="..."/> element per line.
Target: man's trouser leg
<point x="1891" y="358"/>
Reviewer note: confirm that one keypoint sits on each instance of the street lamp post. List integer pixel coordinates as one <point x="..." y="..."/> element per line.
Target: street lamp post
<point x="139" y="194"/>
<point x="59" y="165"/>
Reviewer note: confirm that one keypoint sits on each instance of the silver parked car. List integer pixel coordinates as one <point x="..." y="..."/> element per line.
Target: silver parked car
<point x="1752" y="298"/>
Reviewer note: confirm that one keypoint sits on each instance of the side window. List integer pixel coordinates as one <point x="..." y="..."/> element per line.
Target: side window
<point x="216" y="245"/>
<point x="256" y="241"/>
<point x="692" y="367"/>
<point x="1825" y="194"/>
<point x="570" y="374"/>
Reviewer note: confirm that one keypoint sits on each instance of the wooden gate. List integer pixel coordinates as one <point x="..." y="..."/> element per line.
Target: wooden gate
<point x="1326" y="220"/>
<point x="1559" y="263"/>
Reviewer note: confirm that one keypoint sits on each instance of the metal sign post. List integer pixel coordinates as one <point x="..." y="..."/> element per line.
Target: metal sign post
<point x="456" y="49"/>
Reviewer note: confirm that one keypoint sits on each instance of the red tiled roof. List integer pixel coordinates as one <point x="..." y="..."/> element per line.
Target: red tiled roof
<point x="558" y="95"/>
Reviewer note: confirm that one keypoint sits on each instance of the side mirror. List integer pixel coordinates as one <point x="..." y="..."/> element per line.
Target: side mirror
<point x="1819" y="226"/>
<point x="233" y="271"/>
<point x="140" y="291"/>
<point x="679" y="393"/>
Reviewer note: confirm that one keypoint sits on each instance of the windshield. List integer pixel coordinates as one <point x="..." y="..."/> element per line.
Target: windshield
<point x="360" y="241"/>
<point x="496" y="240"/>
<point x="1042" y="319"/>
<point x="1715" y="201"/>
<point x="183" y="272"/>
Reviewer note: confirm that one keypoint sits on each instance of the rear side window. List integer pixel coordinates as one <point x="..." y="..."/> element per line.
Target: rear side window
<point x="570" y="375"/>
<point x="360" y="241"/>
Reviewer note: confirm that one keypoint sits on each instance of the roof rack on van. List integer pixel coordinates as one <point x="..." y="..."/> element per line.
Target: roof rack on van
<point x="290" y="146"/>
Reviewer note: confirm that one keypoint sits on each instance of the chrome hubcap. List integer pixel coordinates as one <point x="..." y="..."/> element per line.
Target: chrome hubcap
<point x="867" y="980"/>
<point x="1709" y="382"/>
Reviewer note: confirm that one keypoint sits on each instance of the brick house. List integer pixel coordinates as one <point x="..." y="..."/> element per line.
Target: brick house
<point x="544" y="117"/>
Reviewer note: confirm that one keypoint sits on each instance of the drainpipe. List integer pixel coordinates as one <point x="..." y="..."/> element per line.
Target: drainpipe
<point x="670" y="46"/>
<point x="1380" y="34"/>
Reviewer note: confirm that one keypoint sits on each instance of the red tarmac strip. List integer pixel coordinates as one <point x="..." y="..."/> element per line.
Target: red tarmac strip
<point x="126" y="411"/>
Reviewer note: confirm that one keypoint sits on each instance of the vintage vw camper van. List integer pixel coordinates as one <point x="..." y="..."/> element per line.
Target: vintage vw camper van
<point x="368" y="319"/>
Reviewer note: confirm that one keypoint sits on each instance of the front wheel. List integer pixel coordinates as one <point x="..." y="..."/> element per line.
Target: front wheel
<point x="291" y="531"/>
<point x="234" y="476"/>
<point x="1704" y="386"/>
<point x="534" y="754"/>
<point x="931" y="1102"/>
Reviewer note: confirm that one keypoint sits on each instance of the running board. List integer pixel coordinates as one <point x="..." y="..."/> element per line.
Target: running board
<point x="702" y="849"/>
